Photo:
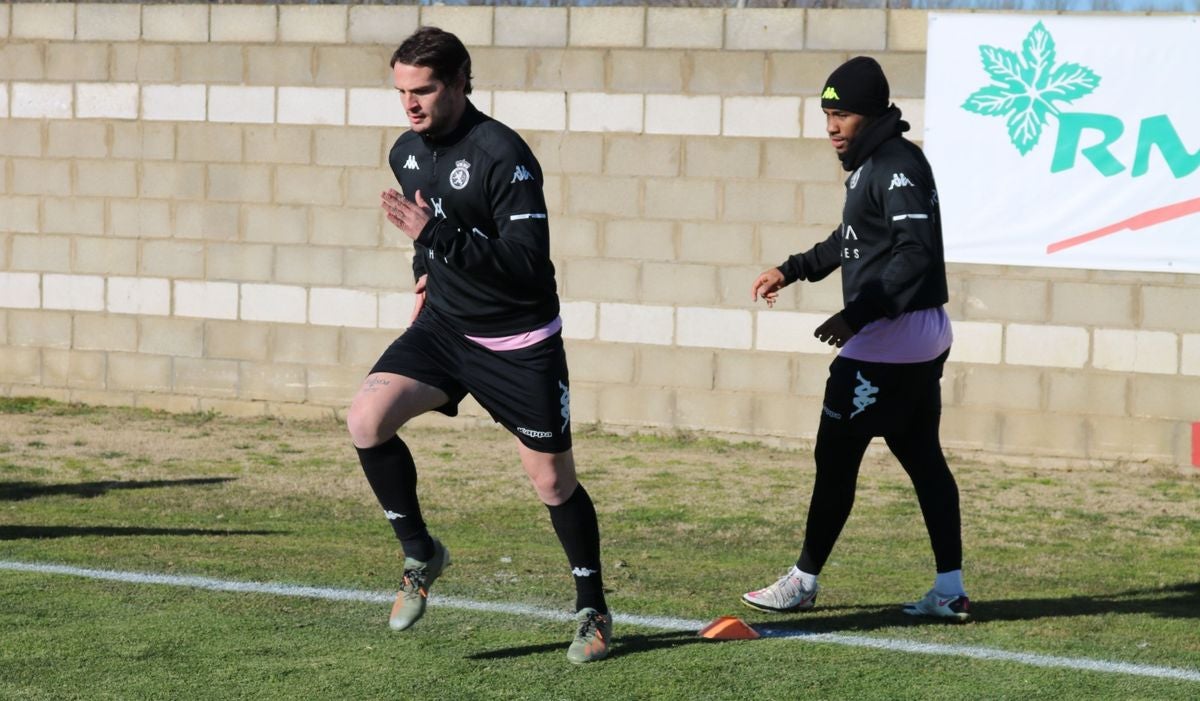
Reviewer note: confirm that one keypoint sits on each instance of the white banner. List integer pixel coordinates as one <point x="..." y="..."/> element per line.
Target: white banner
<point x="1066" y="141"/>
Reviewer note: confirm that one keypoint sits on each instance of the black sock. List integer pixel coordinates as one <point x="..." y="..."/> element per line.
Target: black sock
<point x="392" y="475"/>
<point x="575" y="523"/>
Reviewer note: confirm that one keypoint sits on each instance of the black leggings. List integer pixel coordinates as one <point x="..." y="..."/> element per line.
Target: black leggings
<point x="839" y="453"/>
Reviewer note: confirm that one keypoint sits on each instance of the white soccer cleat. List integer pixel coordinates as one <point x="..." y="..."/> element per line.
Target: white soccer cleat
<point x="784" y="596"/>
<point x="934" y="605"/>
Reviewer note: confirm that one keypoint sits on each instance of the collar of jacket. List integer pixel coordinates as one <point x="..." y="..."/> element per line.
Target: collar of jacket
<point x="877" y="131"/>
<point x="470" y="117"/>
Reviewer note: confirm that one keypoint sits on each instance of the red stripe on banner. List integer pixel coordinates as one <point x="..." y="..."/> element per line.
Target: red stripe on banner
<point x="1140" y="221"/>
<point x="1196" y="445"/>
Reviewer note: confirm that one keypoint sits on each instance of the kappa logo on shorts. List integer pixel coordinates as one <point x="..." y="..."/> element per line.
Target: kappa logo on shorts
<point x="863" y="395"/>
<point x="566" y="404"/>
<point x="534" y="434"/>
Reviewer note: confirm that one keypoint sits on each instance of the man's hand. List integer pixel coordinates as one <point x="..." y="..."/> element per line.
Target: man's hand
<point x="419" y="295"/>
<point x="767" y="286"/>
<point x="408" y="216"/>
<point x="835" y="331"/>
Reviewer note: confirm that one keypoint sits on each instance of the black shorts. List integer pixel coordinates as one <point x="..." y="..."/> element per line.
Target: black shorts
<point x="525" y="390"/>
<point x="881" y="399"/>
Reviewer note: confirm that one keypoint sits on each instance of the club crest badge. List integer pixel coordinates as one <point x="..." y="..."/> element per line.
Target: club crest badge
<point x="460" y="176"/>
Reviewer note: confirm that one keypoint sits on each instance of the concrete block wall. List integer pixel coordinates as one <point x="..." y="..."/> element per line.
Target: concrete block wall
<point x="189" y="220"/>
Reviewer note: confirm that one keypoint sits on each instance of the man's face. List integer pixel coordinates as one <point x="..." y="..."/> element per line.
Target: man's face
<point x="842" y="127"/>
<point x="432" y="107"/>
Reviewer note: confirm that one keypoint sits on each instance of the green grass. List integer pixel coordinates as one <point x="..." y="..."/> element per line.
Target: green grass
<point x="1077" y="562"/>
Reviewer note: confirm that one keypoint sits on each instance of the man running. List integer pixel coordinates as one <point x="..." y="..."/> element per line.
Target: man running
<point x="486" y="322"/>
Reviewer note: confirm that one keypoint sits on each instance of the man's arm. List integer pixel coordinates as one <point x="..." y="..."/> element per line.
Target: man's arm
<point x="817" y="262"/>
<point x="521" y="249"/>
<point x="813" y="265"/>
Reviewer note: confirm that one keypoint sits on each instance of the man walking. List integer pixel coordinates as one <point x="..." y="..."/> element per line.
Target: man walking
<point x="894" y="335"/>
<point x="486" y="322"/>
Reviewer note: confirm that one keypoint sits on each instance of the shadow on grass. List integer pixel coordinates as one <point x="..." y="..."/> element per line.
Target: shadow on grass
<point x="43" y="532"/>
<point x="1174" y="601"/>
<point x="623" y="645"/>
<point x="19" y="491"/>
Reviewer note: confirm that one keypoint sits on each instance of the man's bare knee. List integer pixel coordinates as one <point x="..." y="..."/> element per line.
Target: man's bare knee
<point x="550" y="488"/>
<point x="365" y="427"/>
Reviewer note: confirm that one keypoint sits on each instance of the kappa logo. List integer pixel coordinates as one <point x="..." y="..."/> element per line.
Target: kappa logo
<point x="830" y="94"/>
<point x="521" y="174"/>
<point x="393" y="516"/>
<point x="565" y="401"/>
<point x="863" y="395"/>
<point x="411" y="163"/>
<point x="460" y="176"/>
<point x="900" y="180"/>
<point x="534" y="434"/>
<point x="854" y="178"/>
<point x="583" y="572"/>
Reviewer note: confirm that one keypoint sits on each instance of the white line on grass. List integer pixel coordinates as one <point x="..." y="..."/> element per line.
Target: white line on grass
<point x="656" y="622"/>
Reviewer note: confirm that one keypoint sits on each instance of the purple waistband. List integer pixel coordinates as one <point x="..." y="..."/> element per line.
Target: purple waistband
<point x="519" y="340"/>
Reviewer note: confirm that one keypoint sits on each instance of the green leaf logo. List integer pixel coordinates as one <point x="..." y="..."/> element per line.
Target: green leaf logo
<point x="1026" y="86"/>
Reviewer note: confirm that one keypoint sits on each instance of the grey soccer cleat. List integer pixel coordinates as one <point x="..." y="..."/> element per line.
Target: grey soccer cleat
<point x="592" y="638"/>
<point x="418" y="577"/>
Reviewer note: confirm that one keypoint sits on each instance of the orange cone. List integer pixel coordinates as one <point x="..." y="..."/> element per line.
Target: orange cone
<point x="728" y="628"/>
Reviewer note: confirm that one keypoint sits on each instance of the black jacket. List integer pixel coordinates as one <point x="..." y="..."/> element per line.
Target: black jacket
<point x="487" y="249"/>
<point x="889" y="244"/>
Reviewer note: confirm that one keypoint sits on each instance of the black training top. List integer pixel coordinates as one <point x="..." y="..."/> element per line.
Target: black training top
<point x="889" y="244"/>
<point x="487" y="248"/>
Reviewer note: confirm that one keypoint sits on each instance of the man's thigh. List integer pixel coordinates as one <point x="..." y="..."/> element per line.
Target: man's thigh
<point x="428" y="355"/>
<point x="525" y="390"/>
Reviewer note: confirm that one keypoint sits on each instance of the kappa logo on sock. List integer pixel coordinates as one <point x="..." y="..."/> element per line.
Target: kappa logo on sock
<point x="393" y="516"/>
<point x="583" y="572"/>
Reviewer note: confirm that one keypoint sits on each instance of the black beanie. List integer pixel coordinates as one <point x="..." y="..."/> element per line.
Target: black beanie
<point x="857" y="86"/>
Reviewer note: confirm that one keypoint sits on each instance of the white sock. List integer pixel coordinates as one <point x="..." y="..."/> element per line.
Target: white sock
<point x="949" y="583"/>
<point x="808" y="581"/>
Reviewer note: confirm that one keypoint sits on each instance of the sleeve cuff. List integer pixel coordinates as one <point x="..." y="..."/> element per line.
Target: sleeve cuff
<point x="858" y="314"/>
<point x="429" y="233"/>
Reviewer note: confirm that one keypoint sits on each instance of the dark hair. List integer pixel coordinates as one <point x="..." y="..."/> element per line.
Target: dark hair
<point x="438" y="49"/>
